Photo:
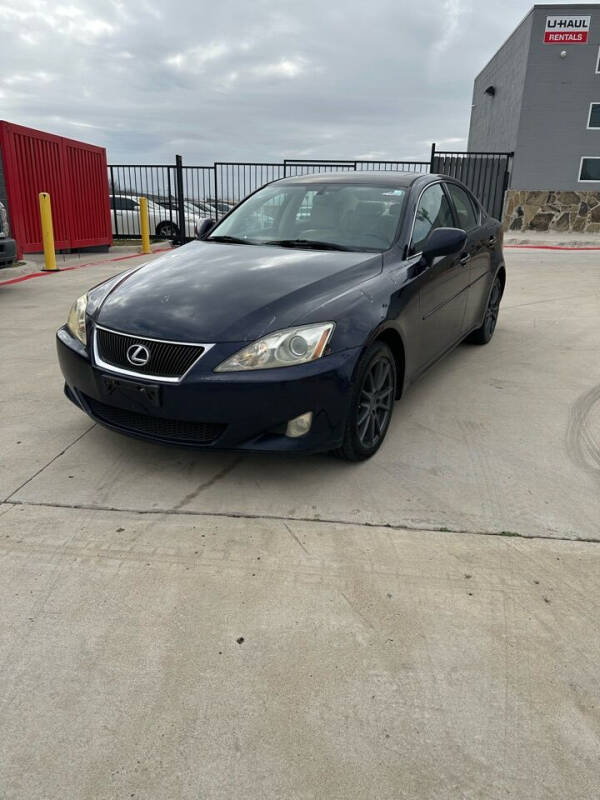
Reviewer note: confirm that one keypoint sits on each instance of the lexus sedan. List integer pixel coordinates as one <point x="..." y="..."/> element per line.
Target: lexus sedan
<point x="295" y="322"/>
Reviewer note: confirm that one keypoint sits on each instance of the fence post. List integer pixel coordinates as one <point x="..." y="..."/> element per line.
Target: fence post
<point x="505" y="182"/>
<point x="47" y="233"/>
<point x="180" y="200"/>
<point x="432" y="160"/>
<point x="216" y="193"/>
<point x="144" y="226"/>
<point x="112" y="194"/>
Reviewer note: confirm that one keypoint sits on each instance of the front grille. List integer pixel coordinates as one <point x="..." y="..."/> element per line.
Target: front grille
<point x="167" y="359"/>
<point x="173" y="429"/>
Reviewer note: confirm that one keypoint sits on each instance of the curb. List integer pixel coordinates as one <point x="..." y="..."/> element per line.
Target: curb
<point x="548" y="247"/>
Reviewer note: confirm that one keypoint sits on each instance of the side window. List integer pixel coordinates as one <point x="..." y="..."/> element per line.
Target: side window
<point x="467" y="218"/>
<point x="122" y="203"/>
<point x="433" y="212"/>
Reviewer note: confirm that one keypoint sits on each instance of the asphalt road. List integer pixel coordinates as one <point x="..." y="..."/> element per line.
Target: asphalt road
<point x="187" y="625"/>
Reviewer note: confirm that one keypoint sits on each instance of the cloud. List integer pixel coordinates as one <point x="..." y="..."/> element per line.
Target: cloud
<point x="249" y="81"/>
<point x="453" y="12"/>
<point x="196" y="58"/>
<point x="284" y="68"/>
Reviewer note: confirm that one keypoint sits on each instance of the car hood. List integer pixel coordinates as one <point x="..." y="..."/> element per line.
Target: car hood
<point x="211" y="292"/>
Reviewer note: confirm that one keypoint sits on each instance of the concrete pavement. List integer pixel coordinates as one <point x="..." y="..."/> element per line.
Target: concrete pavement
<point x="200" y="657"/>
<point x="190" y="625"/>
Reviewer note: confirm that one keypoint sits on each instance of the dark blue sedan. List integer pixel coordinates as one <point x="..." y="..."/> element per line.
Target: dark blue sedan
<point x="294" y="323"/>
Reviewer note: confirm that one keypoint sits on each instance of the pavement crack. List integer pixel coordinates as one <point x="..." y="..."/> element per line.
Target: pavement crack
<point x="49" y="464"/>
<point x="406" y="526"/>
<point x="294" y="537"/>
<point x="207" y="484"/>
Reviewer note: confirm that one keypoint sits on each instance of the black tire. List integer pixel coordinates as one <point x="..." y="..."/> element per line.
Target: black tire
<point x="484" y="334"/>
<point x="372" y="403"/>
<point x="167" y="230"/>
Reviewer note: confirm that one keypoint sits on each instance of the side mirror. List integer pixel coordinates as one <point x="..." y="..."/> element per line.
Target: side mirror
<point x="204" y="228"/>
<point x="444" y="242"/>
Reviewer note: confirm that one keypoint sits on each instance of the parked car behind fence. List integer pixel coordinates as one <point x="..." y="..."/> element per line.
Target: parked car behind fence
<point x="125" y="218"/>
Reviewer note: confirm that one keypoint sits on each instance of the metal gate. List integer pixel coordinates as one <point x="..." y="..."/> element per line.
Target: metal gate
<point x="486" y="174"/>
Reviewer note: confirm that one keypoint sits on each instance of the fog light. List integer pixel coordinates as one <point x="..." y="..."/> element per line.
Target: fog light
<point x="299" y="425"/>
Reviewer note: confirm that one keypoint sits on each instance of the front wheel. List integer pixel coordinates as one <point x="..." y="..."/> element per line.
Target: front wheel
<point x="167" y="230"/>
<point x="371" y="405"/>
<point x="484" y="334"/>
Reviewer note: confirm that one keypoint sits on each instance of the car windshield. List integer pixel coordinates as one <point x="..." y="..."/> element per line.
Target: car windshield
<point x="339" y="216"/>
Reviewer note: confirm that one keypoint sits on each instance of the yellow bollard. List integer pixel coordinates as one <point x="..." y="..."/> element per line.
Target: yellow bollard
<point x="47" y="233"/>
<point x="144" y="226"/>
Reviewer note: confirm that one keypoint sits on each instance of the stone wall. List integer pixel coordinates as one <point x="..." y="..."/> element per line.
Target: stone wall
<point x="552" y="211"/>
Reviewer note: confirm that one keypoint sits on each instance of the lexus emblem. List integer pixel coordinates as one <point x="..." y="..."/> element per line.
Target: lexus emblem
<point x="138" y="355"/>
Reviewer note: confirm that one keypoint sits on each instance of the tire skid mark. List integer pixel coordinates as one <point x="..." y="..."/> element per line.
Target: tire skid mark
<point x="583" y="443"/>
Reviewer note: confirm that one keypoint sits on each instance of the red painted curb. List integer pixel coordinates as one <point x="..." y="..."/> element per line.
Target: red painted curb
<point x="31" y="275"/>
<point x="548" y="247"/>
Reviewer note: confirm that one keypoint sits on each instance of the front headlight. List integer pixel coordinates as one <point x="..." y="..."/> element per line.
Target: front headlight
<point x="282" y="349"/>
<point x="76" y="319"/>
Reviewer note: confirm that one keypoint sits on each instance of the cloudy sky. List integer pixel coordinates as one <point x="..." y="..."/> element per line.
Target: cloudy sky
<point x="249" y="79"/>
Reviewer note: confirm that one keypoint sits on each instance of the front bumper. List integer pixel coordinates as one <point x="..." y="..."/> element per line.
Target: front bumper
<point x="247" y="410"/>
<point x="8" y="252"/>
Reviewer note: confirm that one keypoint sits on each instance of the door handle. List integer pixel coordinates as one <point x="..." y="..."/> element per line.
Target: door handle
<point x="465" y="258"/>
<point x="491" y="241"/>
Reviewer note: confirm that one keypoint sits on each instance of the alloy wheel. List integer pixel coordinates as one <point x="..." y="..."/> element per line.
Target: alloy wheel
<point x="375" y="403"/>
<point x="167" y="230"/>
<point x="491" y="314"/>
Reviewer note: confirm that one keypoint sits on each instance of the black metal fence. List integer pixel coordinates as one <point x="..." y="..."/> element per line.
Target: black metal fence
<point x="179" y="195"/>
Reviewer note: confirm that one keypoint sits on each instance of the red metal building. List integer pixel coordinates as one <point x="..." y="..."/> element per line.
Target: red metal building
<point x="73" y="173"/>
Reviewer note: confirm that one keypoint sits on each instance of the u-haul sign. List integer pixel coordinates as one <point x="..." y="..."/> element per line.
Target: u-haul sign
<point x="567" y="30"/>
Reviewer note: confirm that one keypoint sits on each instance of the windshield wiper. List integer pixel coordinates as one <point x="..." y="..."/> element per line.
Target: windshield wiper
<point x="228" y="240"/>
<point x="310" y="243"/>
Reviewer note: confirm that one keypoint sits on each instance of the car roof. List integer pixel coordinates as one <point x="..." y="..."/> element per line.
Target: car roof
<point x="367" y="177"/>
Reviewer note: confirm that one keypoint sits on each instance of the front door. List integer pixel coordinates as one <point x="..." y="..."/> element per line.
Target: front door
<point x="442" y="295"/>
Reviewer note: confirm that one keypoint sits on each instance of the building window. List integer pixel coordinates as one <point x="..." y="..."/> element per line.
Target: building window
<point x="589" y="169"/>
<point x="594" y="116"/>
<point x="598" y="63"/>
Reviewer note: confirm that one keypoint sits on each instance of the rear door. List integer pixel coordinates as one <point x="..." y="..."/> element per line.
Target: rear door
<point x="478" y="249"/>
<point x="442" y="294"/>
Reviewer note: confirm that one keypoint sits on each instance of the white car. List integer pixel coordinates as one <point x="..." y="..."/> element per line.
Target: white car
<point x="125" y="218"/>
